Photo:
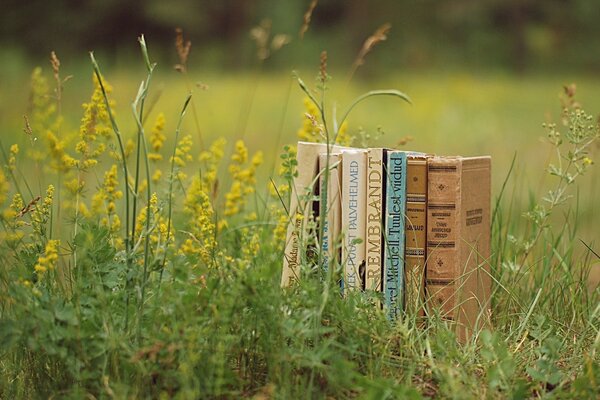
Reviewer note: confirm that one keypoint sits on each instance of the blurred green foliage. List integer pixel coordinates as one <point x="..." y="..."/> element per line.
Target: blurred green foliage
<point x="505" y="34"/>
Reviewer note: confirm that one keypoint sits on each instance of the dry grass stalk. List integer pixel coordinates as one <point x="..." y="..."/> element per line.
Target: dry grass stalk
<point x="28" y="207"/>
<point x="260" y="34"/>
<point x="323" y="67"/>
<point x="55" y="65"/>
<point x="377" y="37"/>
<point x="307" y="18"/>
<point x="183" y="50"/>
<point x="27" y="129"/>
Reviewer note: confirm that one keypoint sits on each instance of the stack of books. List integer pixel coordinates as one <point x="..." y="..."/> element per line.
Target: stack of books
<point x="413" y="226"/>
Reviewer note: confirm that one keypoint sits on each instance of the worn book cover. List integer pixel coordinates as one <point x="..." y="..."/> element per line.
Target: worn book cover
<point x="458" y="278"/>
<point x="376" y="159"/>
<point x="393" y="274"/>
<point x="354" y="198"/>
<point x="301" y="207"/>
<point x="415" y="234"/>
<point x="330" y="194"/>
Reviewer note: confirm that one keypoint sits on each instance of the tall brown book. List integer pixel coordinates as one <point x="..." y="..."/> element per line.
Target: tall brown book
<point x="415" y="234"/>
<point x="458" y="279"/>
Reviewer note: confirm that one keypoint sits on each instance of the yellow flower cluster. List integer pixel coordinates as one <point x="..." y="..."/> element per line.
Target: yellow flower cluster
<point x="183" y="155"/>
<point x="41" y="213"/>
<point x="157" y="138"/>
<point x="243" y="176"/>
<point x="202" y="230"/>
<point x="12" y="234"/>
<point x="47" y="262"/>
<point x="210" y="159"/>
<point x="12" y="157"/>
<point x="61" y="161"/>
<point x="3" y="187"/>
<point x="312" y="129"/>
<point x="105" y="200"/>
<point x="95" y="123"/>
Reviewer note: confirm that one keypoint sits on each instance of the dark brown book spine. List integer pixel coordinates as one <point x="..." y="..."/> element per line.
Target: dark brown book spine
<point x="415" y="234"/>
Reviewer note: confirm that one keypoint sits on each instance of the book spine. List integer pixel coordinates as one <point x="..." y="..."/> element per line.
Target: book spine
<point x="443" y="208"/>
<point x="415" y="234"/>
<point x="330" y="193"/>
<point x="301" y="208"/>
<point x="354" y="171"/>
<point x="375" y="212"/>
<point x="474" y="246"/>
<point x="393" y="282"/>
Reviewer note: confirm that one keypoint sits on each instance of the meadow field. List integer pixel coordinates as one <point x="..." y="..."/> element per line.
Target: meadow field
<point x="187" y="304"/>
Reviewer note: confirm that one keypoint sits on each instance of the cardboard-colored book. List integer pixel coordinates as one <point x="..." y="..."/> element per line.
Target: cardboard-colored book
<point x="415" y="234"/>
<point x="354" y="198"/>
<point x="301" y="207"/>
<point x="330" y="193"/>
<point x="376" y="159"/>
<point x="458" y="279"/>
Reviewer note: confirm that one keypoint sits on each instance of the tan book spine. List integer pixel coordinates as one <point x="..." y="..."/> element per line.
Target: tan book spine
<point x="415" y="234"/>
<point x="354" y="172"/>
<point x="374" y="224"/>
<point x="458" y="240"/>
<point x="331" y="231"/>
<point x="301" y="207"/>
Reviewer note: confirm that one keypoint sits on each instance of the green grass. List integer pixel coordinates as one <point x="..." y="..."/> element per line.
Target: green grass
<point x="223" y="328"/>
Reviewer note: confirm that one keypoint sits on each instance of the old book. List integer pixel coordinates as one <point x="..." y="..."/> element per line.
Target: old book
<point x="458" y="240"/>
<point x="354" y="197"/>
<point x="330" y="194"/>
<point x="301" y="207"/>
<point x="415" y="234"/>
<point x="376" y="159"/>
<point x="393" y="274"/>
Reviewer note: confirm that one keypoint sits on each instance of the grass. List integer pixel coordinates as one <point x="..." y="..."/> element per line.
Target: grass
<point x="195" y="309"/>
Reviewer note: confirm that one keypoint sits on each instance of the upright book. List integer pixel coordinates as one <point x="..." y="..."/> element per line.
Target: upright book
<point x="393" y="274"/>
<point x="301" y="207"/>
<point x="330" y="194"/>
<point x="458" y="240"/>
<point x="415" y="234"/>
<point x="376" y="159"/>
<point x="354" y="198"/>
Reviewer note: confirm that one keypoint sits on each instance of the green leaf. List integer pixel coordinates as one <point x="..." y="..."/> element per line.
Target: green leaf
<point x="373" y="93"/>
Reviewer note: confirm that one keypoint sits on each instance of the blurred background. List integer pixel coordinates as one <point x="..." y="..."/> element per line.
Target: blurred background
<point x="509" y="35"/>
<point x="483" y="74"/>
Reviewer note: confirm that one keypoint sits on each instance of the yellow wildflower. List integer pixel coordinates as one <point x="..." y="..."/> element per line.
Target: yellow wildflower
<point x="157" y="138"/>
<point x="3" y="187"/>
<point x="12" y="157"/>
<point x="211" y="158"/>
<point x="47" y="262"/>
<point x="41" y="213"/>
<point x="95" y="123"/>
<point x="107" y="197"/>
<point x="311" y="130"/>
<point x="243" y="178"/>
<point x="201" y="241"/>
<point x="182" y="155"/>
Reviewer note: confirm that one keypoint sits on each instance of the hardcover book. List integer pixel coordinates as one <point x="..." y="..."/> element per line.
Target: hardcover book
<point x="458" y="241"/>
<point x="415" y="234"/>
<point x="301" y="207"/>
<point x="330" y="194"/>
<point x="354" y="198"/>
<point x="376" y="159"/>
<point x="393" y="274"/>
